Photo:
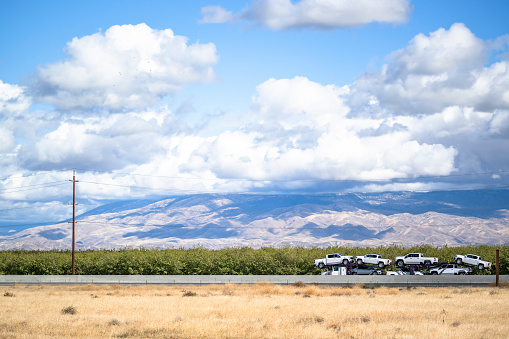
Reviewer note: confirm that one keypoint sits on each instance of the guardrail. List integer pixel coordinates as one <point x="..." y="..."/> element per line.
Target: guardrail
<point x="381" y="280"/>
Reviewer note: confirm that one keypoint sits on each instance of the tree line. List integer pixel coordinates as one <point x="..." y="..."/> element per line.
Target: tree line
<point x="227" y="261"/>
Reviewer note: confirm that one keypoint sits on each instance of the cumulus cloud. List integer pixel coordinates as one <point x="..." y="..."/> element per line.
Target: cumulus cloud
<point x="126" y="67"/>
<point x="297" y="133"/>
<point x="338" y="148"/>
<point x="321" y="14"/>
<point x="446" y="68"/>
<point x="439" y="107"/>
<point x="215" y="15"/>
<point x="294" y="99"/>
<point x="449" y="88"/>
<point x="442" y="51"/>
<point x="500" y="124"/>
<point x="311" y="140"/>
<point x="6" y="140"/>
<point x="13" y="104"/>
<point x="13" y="100"/>
<point x="102" y="144"/>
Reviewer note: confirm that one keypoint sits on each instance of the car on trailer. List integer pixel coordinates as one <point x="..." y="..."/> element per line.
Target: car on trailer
<point x="333" y="259"/>
<point x="373" y="259"/>
<point x="336" y="270"/>
<point x="415" y="259"/>
<point x="472" y="259"/>
<point x="366" y="270"/>
<point x="450" y="269"/>
<point x="405" y="271"/>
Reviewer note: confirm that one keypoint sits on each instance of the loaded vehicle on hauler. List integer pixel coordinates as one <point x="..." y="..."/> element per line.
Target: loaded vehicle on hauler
<point x="450" y="269"/>
<point x="334" y="259"/>
<point x="366" y="270"/>
<point x="373" y="259"/>
<point x="415" y="259"/>
<point x="405" y="271"/>
<point x="472" y="259"/>
<point x="336" y="270"/>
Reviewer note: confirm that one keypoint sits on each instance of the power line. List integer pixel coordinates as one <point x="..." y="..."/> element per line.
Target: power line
<point x="465" y="188"/>
<point x="43" y="206"/>
<point x="35" y="174"/>
<point x="46" y="223"/>
<point x="32" y="207"/>
<point x="128" y="186"/>
<point x="388" y="181"/>
<point x="393" y="180"/>
<point x="301" y="180"/>
<point x="58" y="183"/>
<point x="32" y="187"/>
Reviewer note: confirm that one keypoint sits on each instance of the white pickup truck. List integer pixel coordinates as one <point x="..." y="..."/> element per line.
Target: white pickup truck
<point x="472" y="259"/>
<point x="450" y="269"/>
<point x="336" y="270"/>
<point x="373" y="259"/>
<point x="333" y="259"/>
<point x="415" y="259"/>
<point x="404" y="271"/>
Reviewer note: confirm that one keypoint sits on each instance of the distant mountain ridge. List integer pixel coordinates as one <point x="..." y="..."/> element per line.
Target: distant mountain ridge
<point x="225" y="220"/>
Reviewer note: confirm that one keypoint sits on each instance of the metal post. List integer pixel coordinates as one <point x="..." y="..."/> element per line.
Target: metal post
<point x="497" y="268"/>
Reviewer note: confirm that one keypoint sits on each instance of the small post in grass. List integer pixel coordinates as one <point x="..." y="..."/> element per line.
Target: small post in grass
<point x="497" y="268"/>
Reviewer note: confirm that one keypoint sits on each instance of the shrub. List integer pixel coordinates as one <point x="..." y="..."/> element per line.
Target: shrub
<point x="69" y="310"/>
<point x="189" y="294"/>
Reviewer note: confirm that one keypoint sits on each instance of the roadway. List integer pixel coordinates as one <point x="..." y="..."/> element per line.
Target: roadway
<point x="381" y="280"/>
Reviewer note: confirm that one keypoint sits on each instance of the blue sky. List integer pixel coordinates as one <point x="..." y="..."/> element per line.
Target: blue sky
<point x="160" y="97"/>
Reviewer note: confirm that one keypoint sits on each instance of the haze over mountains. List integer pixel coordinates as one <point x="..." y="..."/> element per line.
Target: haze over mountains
<point x="227" y="220"/>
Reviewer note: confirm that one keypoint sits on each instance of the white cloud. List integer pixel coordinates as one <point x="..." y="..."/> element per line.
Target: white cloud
<point x="95" y="143"/>
<point x="297" y="131"/>
<point x="6" y="140"/>
<point x="443" y="90"/>
<point x="434" y="72"/>
<point x="33" y="187"/>
<point x="310" y="101"/>
<point x="443" y="51"/>
<point x="500" y="124"/>
<point x="321" y="14"/>
<point x="413" y="187"/>
<point x="13" y="104"/>
<point x="453" y="122"/>
<point x="13" y="100"/>
<point x="215" y="15"/>
<point x="126" y="67"/>
<point x="278" y="146"/>
<point x="297" y="134"/>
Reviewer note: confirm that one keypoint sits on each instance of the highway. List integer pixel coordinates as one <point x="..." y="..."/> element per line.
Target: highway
<point x="380" y="280"/>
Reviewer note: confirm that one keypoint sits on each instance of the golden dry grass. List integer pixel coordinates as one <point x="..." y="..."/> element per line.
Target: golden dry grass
<point x="262" y="310"/>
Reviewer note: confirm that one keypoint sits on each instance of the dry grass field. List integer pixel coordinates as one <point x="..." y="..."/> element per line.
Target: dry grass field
<point x="262" y="310"/>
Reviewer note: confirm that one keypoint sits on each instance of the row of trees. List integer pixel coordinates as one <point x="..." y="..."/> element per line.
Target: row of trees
<point x="229" y="261"/>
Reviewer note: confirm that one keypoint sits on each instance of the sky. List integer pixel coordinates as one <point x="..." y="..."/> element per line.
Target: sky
<point x="153" y="98"/>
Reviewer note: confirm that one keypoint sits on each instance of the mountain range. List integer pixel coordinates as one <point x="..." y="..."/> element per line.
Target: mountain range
<point x="234" y="220"/>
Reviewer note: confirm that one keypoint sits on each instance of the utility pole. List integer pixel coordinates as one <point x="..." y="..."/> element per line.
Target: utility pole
<point x="497" y="268"/>
<point x="73" y="214"/>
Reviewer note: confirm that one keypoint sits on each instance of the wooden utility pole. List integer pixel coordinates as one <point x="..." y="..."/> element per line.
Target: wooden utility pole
<point x="73" y="215"/>
<point x="497" y="268"/>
